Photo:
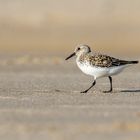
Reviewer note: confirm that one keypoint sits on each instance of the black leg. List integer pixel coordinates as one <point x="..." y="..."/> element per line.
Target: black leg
<point x="110" y="79"/>
<point x="89" y="87"/>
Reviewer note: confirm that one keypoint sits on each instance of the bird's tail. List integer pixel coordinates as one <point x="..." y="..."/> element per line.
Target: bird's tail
<point x="123" y="62"/>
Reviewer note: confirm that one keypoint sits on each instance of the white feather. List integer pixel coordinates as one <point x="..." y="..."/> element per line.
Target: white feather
<point x="99" y="72"/>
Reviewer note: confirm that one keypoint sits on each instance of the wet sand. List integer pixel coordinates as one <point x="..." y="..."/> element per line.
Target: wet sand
<point x="44" y="102"/>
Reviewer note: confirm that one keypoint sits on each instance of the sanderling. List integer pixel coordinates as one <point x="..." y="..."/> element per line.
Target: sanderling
<point x="98" y="65"/>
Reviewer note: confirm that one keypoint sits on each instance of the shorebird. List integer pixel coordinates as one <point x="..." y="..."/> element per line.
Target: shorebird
<point x="98" y="65"/>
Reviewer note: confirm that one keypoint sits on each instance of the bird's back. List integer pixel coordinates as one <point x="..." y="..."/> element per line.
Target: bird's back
<point x="100" y="60"/>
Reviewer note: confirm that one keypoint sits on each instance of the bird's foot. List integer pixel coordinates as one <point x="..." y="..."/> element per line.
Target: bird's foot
<point x="84" y="91"/>
<point x="109" y="91"/>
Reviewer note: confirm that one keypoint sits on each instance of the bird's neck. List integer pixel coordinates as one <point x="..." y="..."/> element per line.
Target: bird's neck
<point x="81" y="57"/>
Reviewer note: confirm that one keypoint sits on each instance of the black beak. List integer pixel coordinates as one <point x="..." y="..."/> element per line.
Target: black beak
<point x="70" y="56"/>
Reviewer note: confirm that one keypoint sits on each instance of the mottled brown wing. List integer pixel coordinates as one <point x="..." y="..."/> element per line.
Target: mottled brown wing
<point x="117" y="62"/>
<point x="105" y="61"/>
<point x="101" y="60"/>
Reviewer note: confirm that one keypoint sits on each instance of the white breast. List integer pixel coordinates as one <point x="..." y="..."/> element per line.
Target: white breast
<point x="99" y="72"/>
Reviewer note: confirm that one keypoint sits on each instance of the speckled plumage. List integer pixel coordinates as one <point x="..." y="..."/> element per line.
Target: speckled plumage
<point x="99" y="60"/>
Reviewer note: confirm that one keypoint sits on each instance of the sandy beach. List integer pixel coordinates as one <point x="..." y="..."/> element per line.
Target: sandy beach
<point x="40" y="92"/>
<point x="44" y="102"/>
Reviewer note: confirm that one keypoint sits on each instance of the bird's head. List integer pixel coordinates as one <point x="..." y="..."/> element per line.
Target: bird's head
<point x="80" y="49"/>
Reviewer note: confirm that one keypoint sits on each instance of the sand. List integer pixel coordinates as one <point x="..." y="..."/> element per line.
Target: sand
<point x="44" y="102"/>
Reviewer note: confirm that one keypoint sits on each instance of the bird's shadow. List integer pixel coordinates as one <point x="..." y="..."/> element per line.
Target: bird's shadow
<point x="131" y="90"/>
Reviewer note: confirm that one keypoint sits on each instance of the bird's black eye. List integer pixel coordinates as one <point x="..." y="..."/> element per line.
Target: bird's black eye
<point x="78" y="49"/>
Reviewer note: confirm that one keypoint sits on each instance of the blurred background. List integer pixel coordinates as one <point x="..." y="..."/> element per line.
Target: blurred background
<point x="54" y="28"/>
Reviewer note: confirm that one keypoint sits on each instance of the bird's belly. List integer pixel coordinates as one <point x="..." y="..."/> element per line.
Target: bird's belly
<point x="93" y="71"/>
<point x="116" y="70"/>
<point x="99" y="72"/>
